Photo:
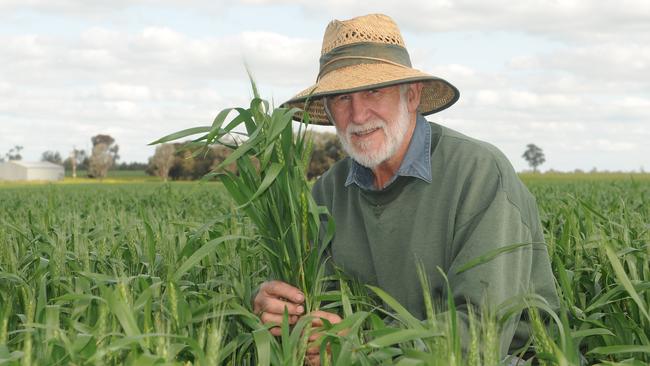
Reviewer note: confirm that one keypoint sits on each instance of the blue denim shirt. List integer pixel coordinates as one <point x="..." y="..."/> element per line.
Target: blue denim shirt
<point x="416" y="163"/>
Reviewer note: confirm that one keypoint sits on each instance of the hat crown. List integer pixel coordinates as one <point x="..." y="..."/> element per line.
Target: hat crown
<point x="373" y="28"/>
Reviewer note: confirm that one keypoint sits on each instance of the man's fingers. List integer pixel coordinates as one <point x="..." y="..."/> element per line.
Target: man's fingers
<point x="312" y="356"/>
<point x="275" y="296"/>
<point x="314" y="336"/>
<point x="283" y="290"/>
<point x="277" y="306"/>
<point x="319" y="315"/>
<point x="274" y="319"/>
<point x="312" y="360"/>
<point x="313" y="351"/>
<point x="271" y="318"/>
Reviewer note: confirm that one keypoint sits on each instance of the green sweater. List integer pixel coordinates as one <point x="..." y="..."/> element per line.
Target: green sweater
<point x="475" y="204"/>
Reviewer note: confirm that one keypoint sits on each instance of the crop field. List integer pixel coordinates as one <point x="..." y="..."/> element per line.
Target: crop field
<point x="155" y="273"/>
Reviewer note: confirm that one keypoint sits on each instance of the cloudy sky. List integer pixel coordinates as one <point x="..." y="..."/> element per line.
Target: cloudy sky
<point x="572" y="76"/>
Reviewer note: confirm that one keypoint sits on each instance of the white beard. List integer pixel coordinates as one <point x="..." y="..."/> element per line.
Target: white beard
<point x="393" y="136"/>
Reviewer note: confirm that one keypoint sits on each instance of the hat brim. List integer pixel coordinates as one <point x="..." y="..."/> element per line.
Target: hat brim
<point x="437" y="93"/>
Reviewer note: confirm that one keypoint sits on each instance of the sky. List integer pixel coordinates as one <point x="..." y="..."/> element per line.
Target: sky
<point x="571" y="76"/>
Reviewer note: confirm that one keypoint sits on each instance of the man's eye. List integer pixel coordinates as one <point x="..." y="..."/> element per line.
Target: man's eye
<point x="373" y="92"/>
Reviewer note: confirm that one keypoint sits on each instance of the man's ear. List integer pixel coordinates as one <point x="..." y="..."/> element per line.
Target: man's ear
<point x="413" y="96"/>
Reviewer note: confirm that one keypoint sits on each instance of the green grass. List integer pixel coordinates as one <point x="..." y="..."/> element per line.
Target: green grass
<point x="91" y="271"/>
<point x="120" y="175"/>
<point x="583" y="177"/>
<point x="133" y="272"/>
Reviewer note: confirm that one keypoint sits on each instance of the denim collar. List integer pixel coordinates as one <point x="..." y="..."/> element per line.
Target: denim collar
<point x="416" y="163"/>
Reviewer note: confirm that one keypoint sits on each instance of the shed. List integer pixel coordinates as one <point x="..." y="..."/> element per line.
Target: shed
<point x="22" y="170"/>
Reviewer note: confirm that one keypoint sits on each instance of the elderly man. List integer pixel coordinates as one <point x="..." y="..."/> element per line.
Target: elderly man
<point x="412" y="190"/>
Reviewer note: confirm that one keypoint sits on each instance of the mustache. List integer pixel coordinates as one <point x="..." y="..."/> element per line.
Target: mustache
<point x="370" y="125"/>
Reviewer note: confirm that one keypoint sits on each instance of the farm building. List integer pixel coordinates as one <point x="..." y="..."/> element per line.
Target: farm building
<point x="22" y="170"/>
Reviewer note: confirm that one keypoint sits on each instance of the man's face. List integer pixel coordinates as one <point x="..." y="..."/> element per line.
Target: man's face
<point x="371" y="124"/>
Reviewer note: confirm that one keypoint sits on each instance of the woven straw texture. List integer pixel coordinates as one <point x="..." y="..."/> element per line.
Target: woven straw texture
<point x="437" y="93"/>
<point x="375" y="28"/>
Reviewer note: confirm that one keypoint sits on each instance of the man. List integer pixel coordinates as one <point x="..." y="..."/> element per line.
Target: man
<point x="412" y="190"/>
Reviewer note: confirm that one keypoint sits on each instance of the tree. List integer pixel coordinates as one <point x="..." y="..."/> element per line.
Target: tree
<point x="103" y="156"/>
<point x="14" y="153"/>
<point x="73" y="161"/>
<point x="326" y="150"/>
<point x="534" y="156"/>
<point x="109" y="141"/>
<point x="78" y="160"/>
<point x="186" y="165"/>
<point x="52" y="157"/>
<point x="162" y="160"/>
<point x="134" y="165"/>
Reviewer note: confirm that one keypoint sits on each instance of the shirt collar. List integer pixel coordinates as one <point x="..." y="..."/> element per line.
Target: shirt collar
<point x="416" y="163"/>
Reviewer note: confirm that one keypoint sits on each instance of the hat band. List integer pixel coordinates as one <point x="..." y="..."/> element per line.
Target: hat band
<point x="363" y="53"/>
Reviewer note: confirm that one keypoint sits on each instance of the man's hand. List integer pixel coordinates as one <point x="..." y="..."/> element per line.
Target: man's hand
<point x="271" y="300"/>
<point x="312" y="357"/>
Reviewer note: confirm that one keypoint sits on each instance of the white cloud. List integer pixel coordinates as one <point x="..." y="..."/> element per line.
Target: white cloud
<point x="608" y="145"/>
<point x="124" y="92"/>
<point x="102" y="9"/>
<point x="159" y="56"/>
<point x="563" y="19"/>
<point x="634" y="103"/>
<point x="621" y="61"/>
<point x="486" y="98"/>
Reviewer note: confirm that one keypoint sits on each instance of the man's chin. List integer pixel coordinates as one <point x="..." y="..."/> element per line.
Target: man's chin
<point x="368" y="160"/>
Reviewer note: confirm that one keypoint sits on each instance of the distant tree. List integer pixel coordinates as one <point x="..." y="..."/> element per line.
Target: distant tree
<point x="188" y="166"/>
<point x="326" y="150"/>
<point x="100" y="161"/>
<point x="134" y="165"/>
<point x="103" y="156"/>
<point x="52" y="157"/>
<point x="73" y="159"/>
<point x="221" y="153"/>
<point x="14" y="153"/>
<point x="113" y="148"/>
<point x="78" y="160"/>
<point x="534" y="156"/>
<point x="183" y="166"/>
<point x="102" y="139"/>
<point x="162" y="160"/>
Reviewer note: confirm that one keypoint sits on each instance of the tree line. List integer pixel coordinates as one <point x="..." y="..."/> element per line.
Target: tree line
<point x="103" y="156"/>
<point x="174" y="161"/>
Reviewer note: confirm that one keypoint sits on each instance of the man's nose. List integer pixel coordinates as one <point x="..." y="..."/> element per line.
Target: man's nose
<point x="359" y="108"/>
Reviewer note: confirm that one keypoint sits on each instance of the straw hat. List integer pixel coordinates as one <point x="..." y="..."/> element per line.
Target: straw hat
<point x="363" y="53"/>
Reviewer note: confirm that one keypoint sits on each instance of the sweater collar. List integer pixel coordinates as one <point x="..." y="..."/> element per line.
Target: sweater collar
<point x="416" y="163"/>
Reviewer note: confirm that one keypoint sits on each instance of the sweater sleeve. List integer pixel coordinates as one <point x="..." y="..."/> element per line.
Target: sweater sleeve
<point x="505" y="275"/>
